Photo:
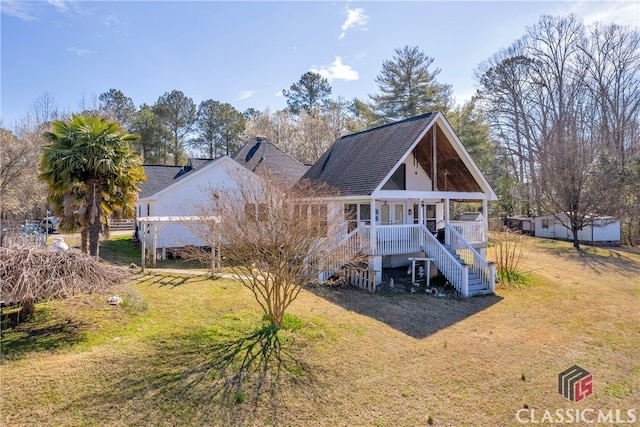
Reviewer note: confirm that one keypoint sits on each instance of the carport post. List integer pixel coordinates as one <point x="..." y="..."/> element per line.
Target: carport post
<point x="143" y="239"/>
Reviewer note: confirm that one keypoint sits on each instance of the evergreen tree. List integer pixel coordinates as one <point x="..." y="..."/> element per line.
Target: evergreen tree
<point x="408" y="88"/>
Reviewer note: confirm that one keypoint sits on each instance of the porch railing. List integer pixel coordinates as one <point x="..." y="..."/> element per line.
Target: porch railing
<point x="392" y="239"/>
<point x="476" y="262"/>
<point x="471" y="231"/>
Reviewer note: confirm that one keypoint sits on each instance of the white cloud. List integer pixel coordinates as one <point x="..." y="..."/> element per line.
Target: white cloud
<point x="79" y="52"/>
<point x="61" y="5"/>
<point x="17" y="9"/>
<point x="623" y="12"/>
<point x="356" y="18"/>
<point x="336" y="71"/>
<point x="246" y="94"/>
<point x="279" y="93"/>
<point x="111" y="20"/>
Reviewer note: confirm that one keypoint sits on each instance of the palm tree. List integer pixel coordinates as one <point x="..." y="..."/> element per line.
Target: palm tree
<point x="92" y="174"/>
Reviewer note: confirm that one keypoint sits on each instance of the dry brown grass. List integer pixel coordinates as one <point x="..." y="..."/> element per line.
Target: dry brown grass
<point x="357" y="360"/>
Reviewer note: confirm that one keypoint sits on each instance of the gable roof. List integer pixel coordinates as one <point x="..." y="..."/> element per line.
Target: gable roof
<point x="361" y="163"/>
<point x="160" y="177"/>
<point x="260" y="155"/>
<point x="356" y="164"/>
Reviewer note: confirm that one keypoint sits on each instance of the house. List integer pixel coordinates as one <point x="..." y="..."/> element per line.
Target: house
<point x="260" y="156"/>
<point x="396" y="183"/>
<point x="172" y="195"/>
<point x="601" y="230"/>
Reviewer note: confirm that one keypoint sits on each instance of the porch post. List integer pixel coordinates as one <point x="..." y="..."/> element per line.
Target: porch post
<point x="421" y="212"/>
<point x="143" y="240"/>
<point x="446" y="221"/>
<point x="485" y="214"/>
<point x="373" y="241"/>
<point x="374" y="261"/>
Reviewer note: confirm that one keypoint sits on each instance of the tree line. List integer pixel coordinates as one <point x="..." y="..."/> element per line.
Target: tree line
<point x="554" y="124"/>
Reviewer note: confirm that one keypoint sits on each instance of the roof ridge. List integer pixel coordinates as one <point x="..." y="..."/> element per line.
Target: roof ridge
<point x="410" y="119"/>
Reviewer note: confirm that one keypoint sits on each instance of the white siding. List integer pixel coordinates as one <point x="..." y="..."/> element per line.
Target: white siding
<point x="185" y="198"/>
<point x="417" y="179"/>
<point x="607" y="232"/>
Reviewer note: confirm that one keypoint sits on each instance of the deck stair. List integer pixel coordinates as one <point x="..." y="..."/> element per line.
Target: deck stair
<point x="475" y="284"/>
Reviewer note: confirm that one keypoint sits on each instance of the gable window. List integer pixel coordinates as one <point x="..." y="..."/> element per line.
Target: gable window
<point x="398" y="180"/>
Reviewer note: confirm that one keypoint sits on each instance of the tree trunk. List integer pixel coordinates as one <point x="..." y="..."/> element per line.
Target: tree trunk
<point x="576" y="243"/>
<point x="28" y="308"/>
<point x="95" y="217"/>
<point x="84" y="239"/>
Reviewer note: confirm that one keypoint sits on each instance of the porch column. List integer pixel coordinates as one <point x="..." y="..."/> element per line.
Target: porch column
<point x="373" y="241"/>
<point x="143" y="240"/>
<point x="421" y="212"/>
<point x="446" y="221"/>
<point x="485" y="214"/>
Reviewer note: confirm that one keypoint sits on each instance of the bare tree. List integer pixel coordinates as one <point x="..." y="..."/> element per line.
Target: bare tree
<point x="22" y="195"/>
<point x="44" y="108"/>
<point x="612" y="59"/>
<point x="564" y="104"/>
<point x="275" y="242"/>
<point x="579" y="179"/>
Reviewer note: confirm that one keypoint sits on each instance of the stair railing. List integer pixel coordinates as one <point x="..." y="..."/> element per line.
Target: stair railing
<point x="345" y="251"/>
<point x="457" y="274"/>
<point x="470" y="256"/>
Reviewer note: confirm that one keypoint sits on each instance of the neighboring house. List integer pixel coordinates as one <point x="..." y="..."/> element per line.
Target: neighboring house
<point x="396" y="183"/>
<point x="602" y="230"/>
<point x="171" y="195"/>
<point x="261" y="156"/>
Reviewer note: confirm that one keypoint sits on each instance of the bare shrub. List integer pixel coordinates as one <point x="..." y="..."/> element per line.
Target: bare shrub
<point x="506" y="252"/>
<point x="28" y="273"/>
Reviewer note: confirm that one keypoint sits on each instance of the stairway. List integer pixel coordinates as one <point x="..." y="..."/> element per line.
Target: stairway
<point x="476" y="287"/>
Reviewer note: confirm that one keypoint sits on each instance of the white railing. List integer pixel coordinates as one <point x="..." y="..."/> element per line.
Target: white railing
<point x="483" y="269"/>
<point x="344" y="252"/>
<point x="457" y="274"/>
<point x="393" y="239"/>
<point x="471" y="231"/>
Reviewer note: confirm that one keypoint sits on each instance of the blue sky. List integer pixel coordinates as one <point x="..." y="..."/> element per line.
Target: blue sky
<point x="245" y="53"/>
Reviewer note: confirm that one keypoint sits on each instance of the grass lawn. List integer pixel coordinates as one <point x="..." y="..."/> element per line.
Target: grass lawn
<point x="190" y="351"/>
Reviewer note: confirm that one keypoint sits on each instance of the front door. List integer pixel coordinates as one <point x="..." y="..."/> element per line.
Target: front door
<point x="392" y="214"/>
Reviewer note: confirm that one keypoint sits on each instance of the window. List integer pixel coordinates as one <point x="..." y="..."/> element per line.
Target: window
<point x="355" y="214"/>
<point x="148" y="210"/>
<point x="545" y="223"/>
<point x="319" y="212"/>
<point x="253" y="212"/>
<point x="429" y="216"/>
<point x="351" y="216"/>
<point x="398" y="180"/>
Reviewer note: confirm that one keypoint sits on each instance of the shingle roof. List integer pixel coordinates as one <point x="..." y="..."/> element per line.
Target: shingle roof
<point x="356" y="164"/>
<point x="258" y="154"/>
<point x="160" y="177"/>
